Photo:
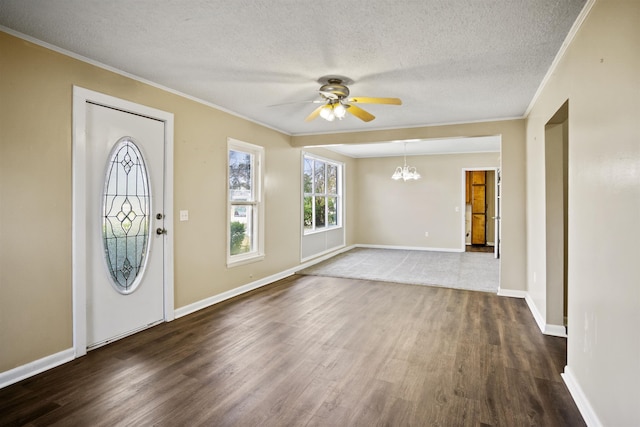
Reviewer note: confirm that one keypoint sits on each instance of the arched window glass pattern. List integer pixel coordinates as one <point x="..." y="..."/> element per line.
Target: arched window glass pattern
<point x="126" y="212"/>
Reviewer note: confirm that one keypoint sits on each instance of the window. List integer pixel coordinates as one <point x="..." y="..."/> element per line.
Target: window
<point x="322" y="187"/>
<point x="125" y="215"/>
<point x="245" y="207"/>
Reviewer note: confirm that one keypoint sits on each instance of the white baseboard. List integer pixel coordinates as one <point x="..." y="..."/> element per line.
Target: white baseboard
<point x="555" y="330"/>
<point x="511" y="293"/>
<point x="33" y="368"/>
<point x="316" y="258"/>
<point x="536" y="313"/>
<point x="545" y="328"/>
<point x="307" y="262"/>
<point x="410" y="248"/>
<point x="585" y="408"/>
<point x="37" y="366"/>
<point x="207" y="302"/>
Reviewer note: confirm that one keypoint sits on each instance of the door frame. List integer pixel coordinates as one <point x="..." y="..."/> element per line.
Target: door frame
<point x="496" y="249"/>
<point x="79" y="205"/>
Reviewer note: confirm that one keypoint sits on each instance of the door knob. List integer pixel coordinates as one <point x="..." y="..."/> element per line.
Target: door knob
<point x="160" y="231"/>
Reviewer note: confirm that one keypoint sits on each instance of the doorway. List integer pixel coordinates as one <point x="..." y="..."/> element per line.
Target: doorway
<point x="122" y="217"/>
<point x="482" y="210"/>
<point x="556" y="212"/>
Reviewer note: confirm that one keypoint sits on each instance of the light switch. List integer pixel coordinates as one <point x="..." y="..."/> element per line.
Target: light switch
<point x="184" y="215"/>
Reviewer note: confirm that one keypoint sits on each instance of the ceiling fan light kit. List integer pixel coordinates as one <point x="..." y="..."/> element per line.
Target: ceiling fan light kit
<point x="333" y="110"/>
<point x="336" y="101"/>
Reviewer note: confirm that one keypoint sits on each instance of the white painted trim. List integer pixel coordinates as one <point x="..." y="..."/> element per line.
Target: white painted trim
<point x="259" y="202"/>
<point x="33" y="368"/>
<point x="79" y="223"/>
<point x="410" y="248"/>
<point x="315" y="259"/>
<point x="37" y="366"/>
<point x="583" y="404"/>
<point x="218" y="107"/>
<point x="463" y="210"/>
<point x="391" y="128"/>
<point x="555" y="330"/>
<point x="305" y="235"/>
<point x="510" y="293"/>
<point x="169" y="307"/>
<point x="207" y="302"/>
<point x="79" y="206"/>
<point x="49" y="362"/>
<point x="563" y="49"/>
<point x="534" y="310"/>
<point x="324" y="255"/>
<point x="545" y="328"/>
<point x="131" y="76"/>
<point x="463" y="201"/>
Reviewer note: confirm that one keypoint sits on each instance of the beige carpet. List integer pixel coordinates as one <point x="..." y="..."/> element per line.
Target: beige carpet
<point x="461" y="270"/>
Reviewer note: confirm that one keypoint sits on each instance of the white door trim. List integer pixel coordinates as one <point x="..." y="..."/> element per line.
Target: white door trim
<point x="79" y="205"/>
<point x="463" y="203"/>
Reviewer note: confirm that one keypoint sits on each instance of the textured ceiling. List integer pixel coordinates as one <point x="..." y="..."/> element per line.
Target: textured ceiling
<point x="449" y="61"/>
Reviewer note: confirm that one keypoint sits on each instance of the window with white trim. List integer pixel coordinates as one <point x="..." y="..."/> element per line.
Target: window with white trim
<point x="322" y="198"/>
<point x="245" y="205"/>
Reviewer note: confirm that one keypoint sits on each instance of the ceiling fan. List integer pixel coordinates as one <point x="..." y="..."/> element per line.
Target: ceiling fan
<point x="336" y="102"/>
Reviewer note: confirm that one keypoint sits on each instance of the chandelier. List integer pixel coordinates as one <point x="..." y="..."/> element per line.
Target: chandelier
<point x="405" y="172"/>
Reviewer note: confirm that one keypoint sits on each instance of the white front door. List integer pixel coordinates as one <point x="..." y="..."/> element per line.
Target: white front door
<point x="498" y="193"/>
<point x="125" y="223"/>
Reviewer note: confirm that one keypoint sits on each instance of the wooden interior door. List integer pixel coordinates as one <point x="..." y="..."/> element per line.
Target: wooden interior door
<point x="478" y="207"/>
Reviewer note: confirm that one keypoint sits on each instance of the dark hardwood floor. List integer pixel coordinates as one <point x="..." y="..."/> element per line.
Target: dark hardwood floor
<point x="316" y="351"/>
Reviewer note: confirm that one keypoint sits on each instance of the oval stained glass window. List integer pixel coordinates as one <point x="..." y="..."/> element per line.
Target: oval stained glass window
<point x="126" y="212"/>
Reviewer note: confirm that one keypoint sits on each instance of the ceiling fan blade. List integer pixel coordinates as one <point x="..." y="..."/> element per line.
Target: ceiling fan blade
<point x="315" y="113"/>
<point x="359" y="113"/>
<point x="318" y="101"/>
<point x="370" y="100"/>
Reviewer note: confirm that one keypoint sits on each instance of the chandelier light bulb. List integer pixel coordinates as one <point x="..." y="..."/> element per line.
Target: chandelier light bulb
<point x="405" y="172"/>
<point x="327" y="113"/>
<point x="339" y="110"/>
<point x="397" y="174"/>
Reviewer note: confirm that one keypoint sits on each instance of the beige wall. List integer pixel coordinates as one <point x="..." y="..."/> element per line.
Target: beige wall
<point x="398" y="213"/>
<point x="599" y="75"/>
<point x="552" y="299"/>
<point x="35" y="195"/>
<point x="512" y="163"/>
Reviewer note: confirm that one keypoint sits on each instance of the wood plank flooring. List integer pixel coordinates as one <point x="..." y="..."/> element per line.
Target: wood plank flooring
<point x="316" y="351"/>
